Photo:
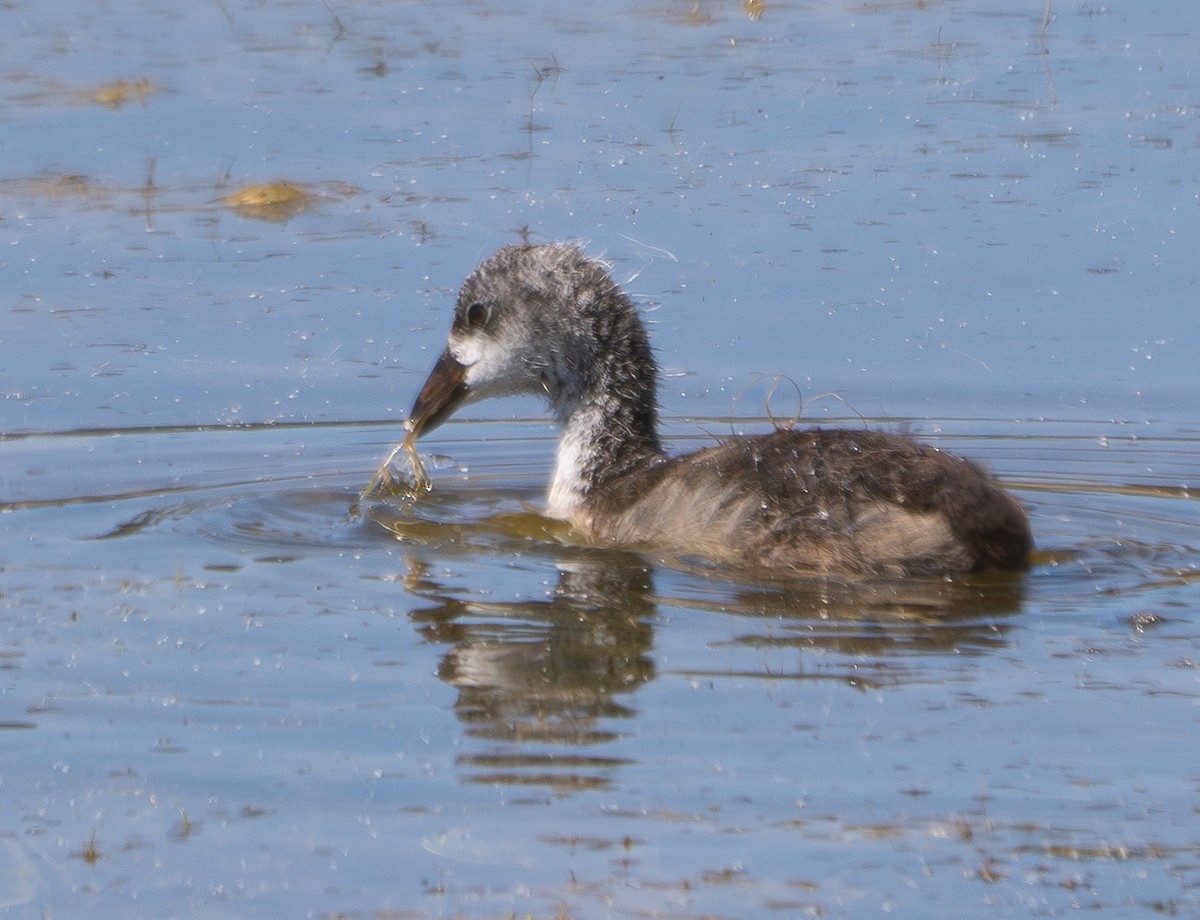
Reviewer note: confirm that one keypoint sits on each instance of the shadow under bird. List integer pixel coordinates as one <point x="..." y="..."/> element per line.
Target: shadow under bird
<point x="550" y="320"/>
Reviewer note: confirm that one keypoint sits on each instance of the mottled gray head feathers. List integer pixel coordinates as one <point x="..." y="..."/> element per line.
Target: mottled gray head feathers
<point x="556" y="321"/>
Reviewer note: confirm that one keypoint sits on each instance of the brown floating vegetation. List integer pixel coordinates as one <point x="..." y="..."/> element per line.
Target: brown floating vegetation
<point x="112" y="95"/>
<point x="54" y="185"/>
<point x="117" y="93"/>
<point x="90" y="853"/>
<point x="273" y="201"/>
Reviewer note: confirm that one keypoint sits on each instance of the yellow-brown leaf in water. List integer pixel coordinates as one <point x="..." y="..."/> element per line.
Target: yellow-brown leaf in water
<point x="276" y="201"/>
<point x="754" y="8"/>
<point x="116" y="94"/>
<point x="260" y="196"/>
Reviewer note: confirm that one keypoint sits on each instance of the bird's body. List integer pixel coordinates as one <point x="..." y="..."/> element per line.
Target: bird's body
<point x="547" y="319"/>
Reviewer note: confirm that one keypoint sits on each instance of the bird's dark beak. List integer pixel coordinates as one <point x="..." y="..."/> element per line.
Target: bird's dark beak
<point x="443" y="392"/>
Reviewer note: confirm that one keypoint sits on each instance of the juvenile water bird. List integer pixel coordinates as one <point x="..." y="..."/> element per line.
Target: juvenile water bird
<point x="550" y="320"/>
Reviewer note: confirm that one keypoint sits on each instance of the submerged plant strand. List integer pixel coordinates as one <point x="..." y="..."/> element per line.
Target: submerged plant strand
<point x="386" y="484"/>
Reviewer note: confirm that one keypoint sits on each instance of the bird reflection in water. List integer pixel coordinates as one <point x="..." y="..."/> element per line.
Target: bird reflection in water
<point x="545" y="683"/>
<point x="541" y="680"/>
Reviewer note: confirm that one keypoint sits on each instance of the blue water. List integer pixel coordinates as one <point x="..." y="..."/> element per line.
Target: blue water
<point x="224" y="692"/>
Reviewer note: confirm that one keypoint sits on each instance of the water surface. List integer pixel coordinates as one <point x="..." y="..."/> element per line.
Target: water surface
<point x="227" y="693"/>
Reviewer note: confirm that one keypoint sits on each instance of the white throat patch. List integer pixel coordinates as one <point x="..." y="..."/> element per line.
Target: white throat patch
<point x="575" y="448"/>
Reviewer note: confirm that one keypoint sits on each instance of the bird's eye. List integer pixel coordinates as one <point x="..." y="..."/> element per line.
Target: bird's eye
<point x="477" y="315"/>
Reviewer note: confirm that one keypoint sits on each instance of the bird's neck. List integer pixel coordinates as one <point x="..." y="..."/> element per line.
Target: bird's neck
<point x="609" y="431"/>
